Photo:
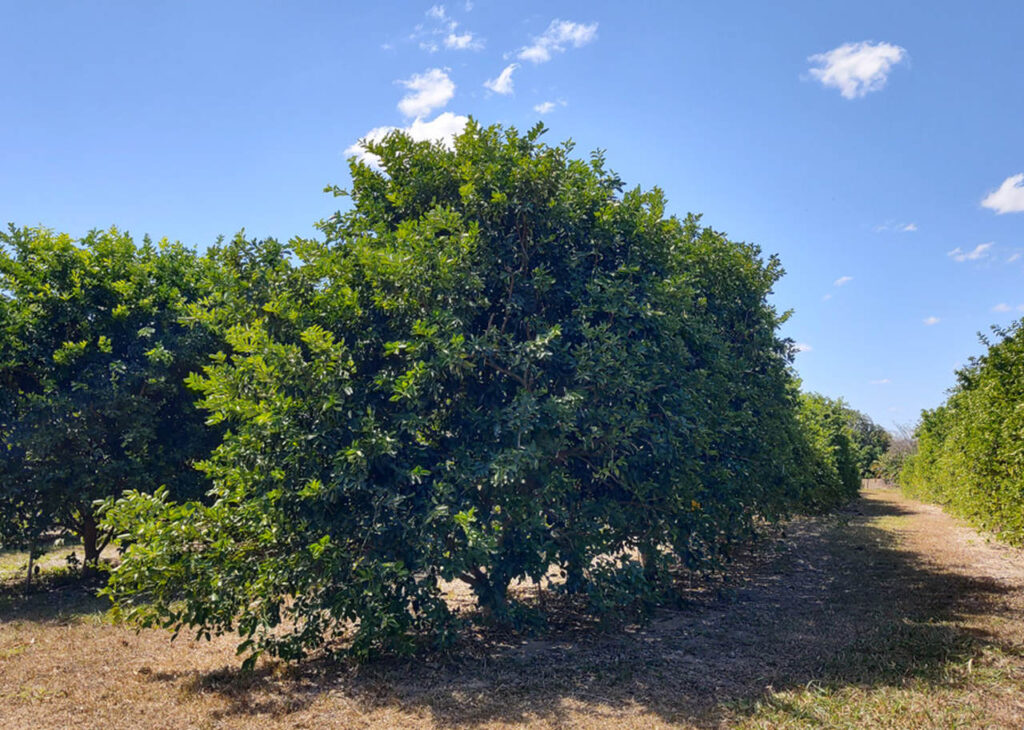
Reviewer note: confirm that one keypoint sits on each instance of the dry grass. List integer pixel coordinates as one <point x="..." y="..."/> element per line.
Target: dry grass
<point x="889" y="616"/>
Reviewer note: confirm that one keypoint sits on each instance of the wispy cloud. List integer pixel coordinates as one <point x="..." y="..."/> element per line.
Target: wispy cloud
<point x="431" y="90"/>
<point x="1013" y="257"/>
<point x="443" y="31"/>
<point x="546" y="107"/>
<point x="856" y="68"/>
<point x="826" y="297"/>
<point x="1004" y="307"/>
<point x="802" y="347"/>
<point x="443" y="128"/>
<point x="560" y="35"/>
<point x="978" y="252"/>
<point x="842" y="280"/>
<point x="931" y="320"/>
<point x="897" y="227"/>
<point x="882" y="381"/>
<point x="503" y="83"/>
<point x="1008" y="198"/>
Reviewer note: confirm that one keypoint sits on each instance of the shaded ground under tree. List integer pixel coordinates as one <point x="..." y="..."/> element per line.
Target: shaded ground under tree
<point x="889" y="614"/>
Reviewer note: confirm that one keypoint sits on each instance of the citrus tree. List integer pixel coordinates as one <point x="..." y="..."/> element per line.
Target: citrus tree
<point x="832" y="460"/>
<point x="93" y="361"/>
<point x="870" y="441"/>
<point x="970" y="450"/>
<point x="497" y="362"/>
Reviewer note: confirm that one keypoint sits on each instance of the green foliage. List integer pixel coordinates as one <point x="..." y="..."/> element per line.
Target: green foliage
<point x="869" y="441"/>
<point x="970" y="454"/>
<point x="834" y="469"/>
<point x="92" y="368"/>
<point x="890" y="465"/>
<point x="496" y="363"/>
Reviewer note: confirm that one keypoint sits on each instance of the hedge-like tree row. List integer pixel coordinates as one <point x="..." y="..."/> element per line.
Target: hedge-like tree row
<point x="496" y="364"/>
<point x="970" y="450"/>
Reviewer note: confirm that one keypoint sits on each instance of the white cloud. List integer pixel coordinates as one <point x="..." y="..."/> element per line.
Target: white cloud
<point x="1009" y="198"/>
<point x="444" y="31"/>
<point x="826" y="297"/>
<point x="431" y="89"/>
<point x="546" y="107"/>
<point x="1013" y="257"/>
<point x="931" y="320"/>
<point x="1004" y="307"/>
<point x="802" y="347"/>
<point x="502" y="84"/>
<point x="443" y="128"/>
<point x="883" y="381"/>
<point x="898" y="227"/>
<point x="559" y="35"/>
<point x="978" y="252"/>
<point x="465" y="42"/>
<point x="842" y="280"/>
<point x="856" y="68"/>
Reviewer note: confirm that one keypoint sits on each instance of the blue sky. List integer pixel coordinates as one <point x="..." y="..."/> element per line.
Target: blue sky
<point x="858" y="141"/>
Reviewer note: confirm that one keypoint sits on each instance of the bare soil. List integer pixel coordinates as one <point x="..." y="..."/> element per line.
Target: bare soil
<point x="889" y="614"/>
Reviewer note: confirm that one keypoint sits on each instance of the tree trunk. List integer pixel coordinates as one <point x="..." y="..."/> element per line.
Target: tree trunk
<point x="491" y="593"/>
<point x="90" y="543"/>
<point x="649" y="559"/>
<point x="495" y="603"/>
<point x="574" y="580"/>
<point x="31" y="563"/>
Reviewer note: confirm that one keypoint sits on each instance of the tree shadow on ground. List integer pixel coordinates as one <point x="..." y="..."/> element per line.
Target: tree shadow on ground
<point x="837" y="601"/>
<point x="55" y="597"/>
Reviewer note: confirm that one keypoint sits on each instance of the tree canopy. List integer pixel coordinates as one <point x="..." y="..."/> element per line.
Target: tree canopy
<point x="93" y="359"/>
<point x="970" y="454"/>
<point x="497" y="362"/>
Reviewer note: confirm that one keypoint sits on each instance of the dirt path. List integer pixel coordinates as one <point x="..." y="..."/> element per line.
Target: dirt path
<point x="888" y="615"/>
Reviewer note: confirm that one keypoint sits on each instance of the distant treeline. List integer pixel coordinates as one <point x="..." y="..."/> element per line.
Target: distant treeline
<point x="494" y="364"/>
<point x="970" y="450"/>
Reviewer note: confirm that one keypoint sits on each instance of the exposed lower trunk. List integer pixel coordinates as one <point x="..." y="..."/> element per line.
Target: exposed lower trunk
<point x="491" y="592"/>
<point x="575" y="581"/>
<point x="31" y="564"/>
<point x="572" y="559"/>
<point x="649" y="559"/>
<point x="90" y="543"/>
